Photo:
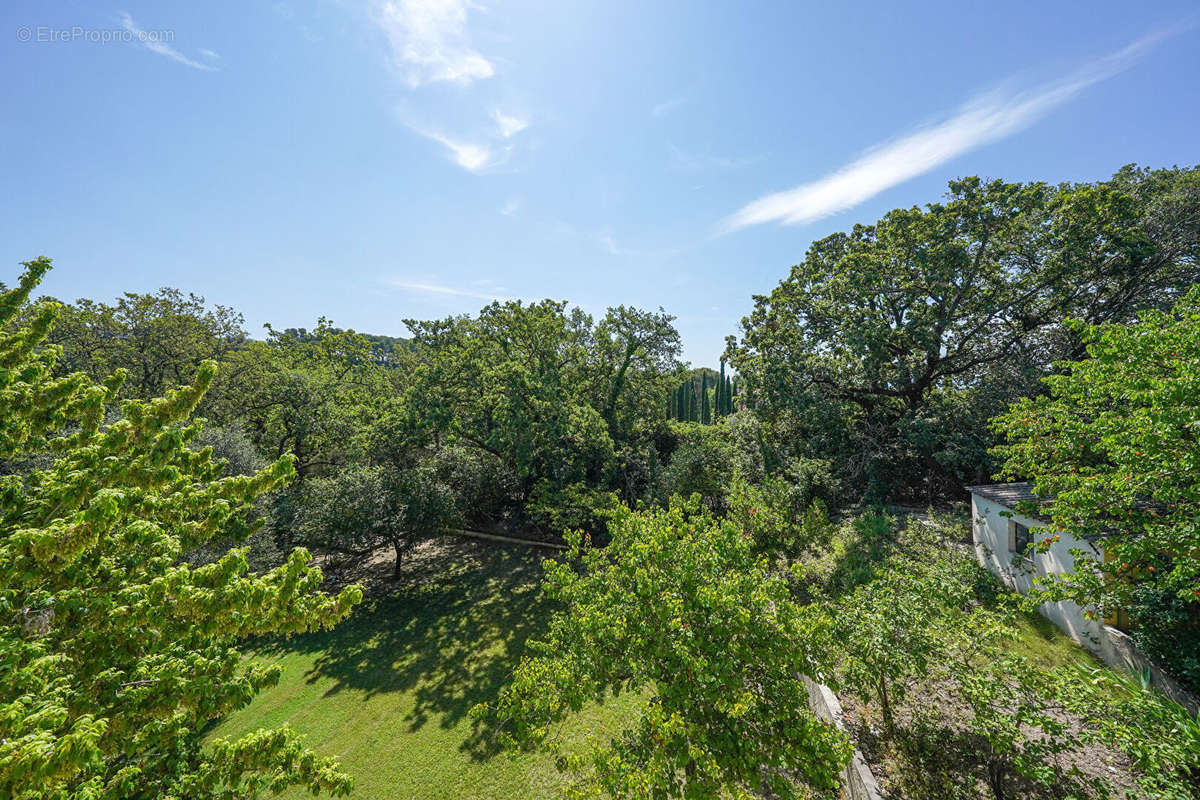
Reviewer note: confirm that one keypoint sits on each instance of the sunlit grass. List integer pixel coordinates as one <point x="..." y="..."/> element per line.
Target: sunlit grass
<point x="388" y="692"/>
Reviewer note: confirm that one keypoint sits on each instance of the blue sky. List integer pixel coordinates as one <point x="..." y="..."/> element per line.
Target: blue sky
<point x="370" y="160"/>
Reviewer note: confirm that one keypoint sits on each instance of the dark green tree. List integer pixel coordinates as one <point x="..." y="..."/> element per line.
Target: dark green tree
<point x="557" y="397"/>
<point x="159" y="339"/>
<point x="309" y="393"/>
<point x="721" y="408"/>
<point x="888" y="348"/>
<point x="362" y="508"/>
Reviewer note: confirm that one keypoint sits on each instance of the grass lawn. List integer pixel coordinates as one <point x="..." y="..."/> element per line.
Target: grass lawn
<point x="387" y="692"/>
<point x="1041" y="641"/>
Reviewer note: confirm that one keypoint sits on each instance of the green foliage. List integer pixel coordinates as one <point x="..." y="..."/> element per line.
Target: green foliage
<point x="855" y="553"/>
<point x="1014" y="709"/>
<point x="889" y="346"/>
<point x="114" y="652"/>
<point x="767" y="514"/>
<point x="1036" y="720"/>
<point x="575" y="506"/>
<point x="893" y="593"/>
<point x="232" y="445"/>
<point x="916" y="616"/>
<point x="702" y="463"/>
<point x="307" y="393"/>
<point x="889" y="630"/>
<point x="1114" y="445"/>
<point x="361" y="508"/>
<point x="159" y="339"/>
<point x="779" y="517"/>
<point x="483" y="484"/>
<point x="704" y="396"/>
<point x="550" y="393"/>
<point x="678" y="607"/>
<point x="1161" y="738"/>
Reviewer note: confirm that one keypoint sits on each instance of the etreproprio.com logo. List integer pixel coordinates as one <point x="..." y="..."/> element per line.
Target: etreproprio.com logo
<point x="78" y="33"/>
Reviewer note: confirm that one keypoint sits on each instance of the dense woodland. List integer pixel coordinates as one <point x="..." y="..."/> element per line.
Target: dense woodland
<point x="169" y="477"/>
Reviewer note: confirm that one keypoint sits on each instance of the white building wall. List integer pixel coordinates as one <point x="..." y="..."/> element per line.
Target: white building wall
<point x="1114" y="647"/>
<point x="992" y="550"/>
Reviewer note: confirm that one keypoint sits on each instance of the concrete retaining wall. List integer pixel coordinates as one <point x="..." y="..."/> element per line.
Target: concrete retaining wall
<point x="1121" y="653"/>
<point x="857" y="781"/>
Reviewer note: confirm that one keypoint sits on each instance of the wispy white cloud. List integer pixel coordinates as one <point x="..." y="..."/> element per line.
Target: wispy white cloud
<point x="609" y="244"/>
<point x="511" y="207"/>
<point x="667" y="106"/>
<point x="429" y="41"/>
<point x="509" y="126"/>
<point x="211" y="55"/>
<point x="985" y="119"/>
<point x="471" y="156"/>
<point x="154" y="42"/>
<point x="697" y="162"/>
<point x="483" y="290"/>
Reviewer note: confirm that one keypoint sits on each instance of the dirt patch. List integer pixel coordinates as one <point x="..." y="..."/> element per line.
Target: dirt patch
<point x="934" y="755"/>
<point x="377" y="569"/>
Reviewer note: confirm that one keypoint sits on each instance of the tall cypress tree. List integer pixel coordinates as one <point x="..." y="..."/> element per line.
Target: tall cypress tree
<point x="721" y="398"/>
<point x="705" y="408"/>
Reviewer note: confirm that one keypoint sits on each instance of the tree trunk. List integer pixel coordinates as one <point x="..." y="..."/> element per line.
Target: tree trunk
<point x="886" y="706"/>
<point x="399" y="559"/>
<point x="996" y="778"/>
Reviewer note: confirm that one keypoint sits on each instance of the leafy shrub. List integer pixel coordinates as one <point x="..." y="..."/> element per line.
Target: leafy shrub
<point x="232" y="445"/>
<point x="775" y="517"/>
<point x="484" y="488"/>
<point x="1167" y="628"/>
<point x="702" y="463"/>
<point x="811" y="479"/>
<point x="575" y="507"/>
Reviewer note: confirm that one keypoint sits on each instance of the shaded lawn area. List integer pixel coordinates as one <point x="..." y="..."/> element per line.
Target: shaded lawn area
<point x="388" y="691"/>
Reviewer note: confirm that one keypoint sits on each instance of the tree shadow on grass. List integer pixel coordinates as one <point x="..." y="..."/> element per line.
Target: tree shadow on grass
<point x="450" y="631"/>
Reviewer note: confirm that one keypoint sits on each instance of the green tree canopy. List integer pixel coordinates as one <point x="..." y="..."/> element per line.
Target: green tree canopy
<point x="558" y="398"/>
<point x="1113" y="449"/>
<point x="890" y="346"/>
<point x="361" y="508"/>
<point x="159" y="339"/>
<point x="307" y="393"/>
<point x="114" y="653"/>
<point x="679" y="608"/>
